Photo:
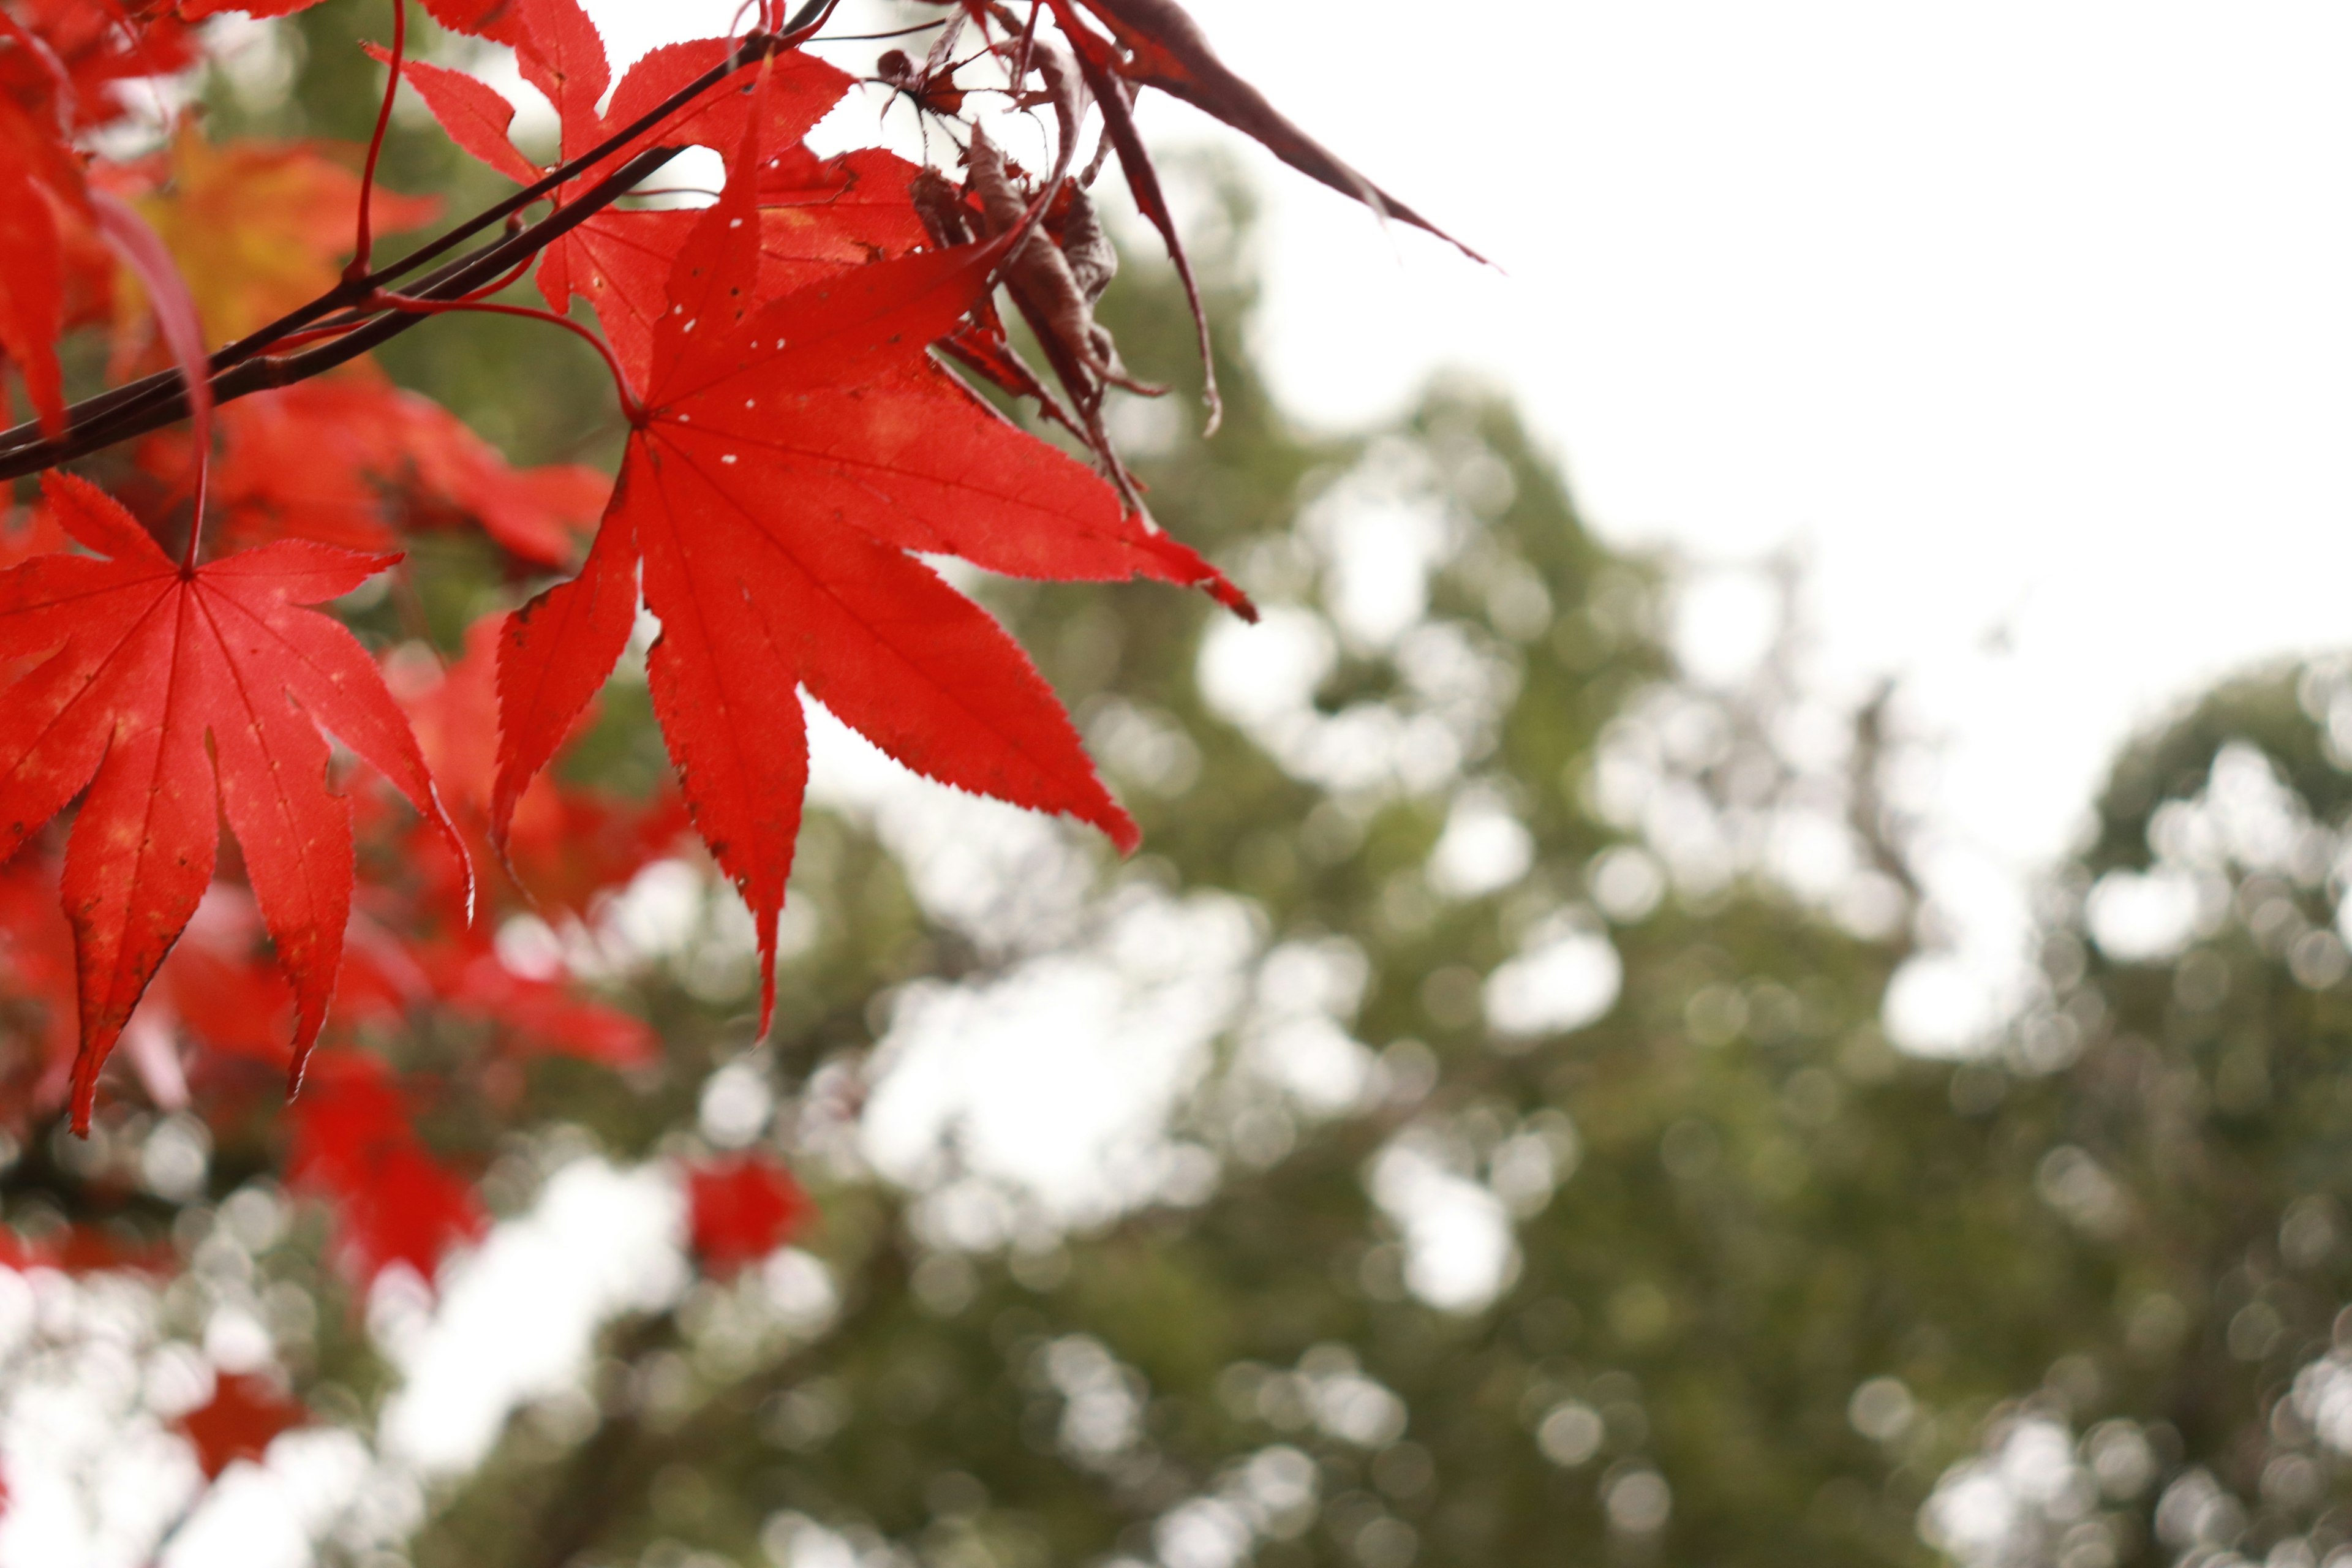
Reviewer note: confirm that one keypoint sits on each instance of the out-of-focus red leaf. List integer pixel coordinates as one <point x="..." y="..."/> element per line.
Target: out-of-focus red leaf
<point x="33" y="283"/>
<point x="742" y="1209"/>
<point x="485" y="18"/>
<point x="566" y="843"/>
<point x="55" y="72"/>
<point x="540" y="1017"/>
<point x="789" y="458"/>
<point x="244" y="1414"/>
<point x="180" y="698"/>
<point x="220" y="985"/>
<point x="37" y="984"/>
<point x="351" y="460"/>
<point x="85" y="53"/>
<point x="355" y="1147"/>
<point x="85" y="1249"/>
<point x="257" y="228"/>
<point x="27" y="531"/>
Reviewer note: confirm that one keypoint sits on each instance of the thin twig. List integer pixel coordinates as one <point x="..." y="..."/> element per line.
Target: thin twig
<point x="363" y="243"/>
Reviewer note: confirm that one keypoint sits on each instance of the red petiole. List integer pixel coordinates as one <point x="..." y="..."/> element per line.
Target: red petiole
<point x="475" y="303"/>
<point x="364" y="248"/>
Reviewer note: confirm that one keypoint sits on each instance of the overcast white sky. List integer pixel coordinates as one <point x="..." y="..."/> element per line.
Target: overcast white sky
<point x="2026" y="319"/>
<point x="2027" y="323"/>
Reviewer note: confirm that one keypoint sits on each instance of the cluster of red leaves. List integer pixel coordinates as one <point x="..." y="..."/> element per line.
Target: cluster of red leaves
<point x="356" y="1146"/>
<point x="741" y="1209"/>
<point x="797" y="444"/>
<point x="182" y="698"/>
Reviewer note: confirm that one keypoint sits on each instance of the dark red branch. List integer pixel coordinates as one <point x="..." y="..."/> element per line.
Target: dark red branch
<point x="125" y="409"/>
<point x="169" y="405"/>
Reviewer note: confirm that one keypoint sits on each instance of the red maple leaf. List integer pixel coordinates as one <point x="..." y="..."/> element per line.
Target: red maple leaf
<point x="87" y="53"/>
<point x="182" y="695"/>
<point x="488" y="18"/>
<point x="239" y="1422"/>
<point x="787" y="460"/>
<point x="220" y="987"/>
<point x="566" y="842"/>
<point x="27" y="532"/>
<point x="36" y="978"/>
<point x="38" y="176"/>
<point x="256" y="227"/>
<point x="741" y="1209"/>
<point x="392" y="1201"/>
<point x="620" y="261"/>
<point x="817" y="218"/>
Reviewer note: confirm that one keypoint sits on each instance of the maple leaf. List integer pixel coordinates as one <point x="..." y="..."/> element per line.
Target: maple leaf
<point x="565" y="843"/>
<point x="741" y="1209"/>
<point x="180" y="696"/>
<point x="86" y="53"/>
<point x="543" y="1017"/>
<point x="258" y="228"/>
<point x="38" y="176"/>
<point x="487" y="18"/>
<point x="29" y="532"/>
<point x="619" y="261"/>
<point x="354" y="1146"/>
<point x="786" y="460"/>
<point x="36" y="967"/>
<point x="221" y="988"/>
<point x="817" y="220"/>
<point x="244" y="1414"/>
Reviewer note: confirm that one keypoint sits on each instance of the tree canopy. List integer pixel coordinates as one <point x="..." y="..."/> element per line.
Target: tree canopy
<point x="1456" y="1137"/>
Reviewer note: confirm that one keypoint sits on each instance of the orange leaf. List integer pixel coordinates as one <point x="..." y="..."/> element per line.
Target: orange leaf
<point x="261" y="228"/>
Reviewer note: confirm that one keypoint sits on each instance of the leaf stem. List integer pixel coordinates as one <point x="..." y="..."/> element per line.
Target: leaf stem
<point x="475" y="303"/>
<point x="364" y="246"/>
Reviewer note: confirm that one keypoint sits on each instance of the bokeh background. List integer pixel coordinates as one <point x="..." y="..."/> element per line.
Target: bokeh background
<point x="1784" y="1003"/>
